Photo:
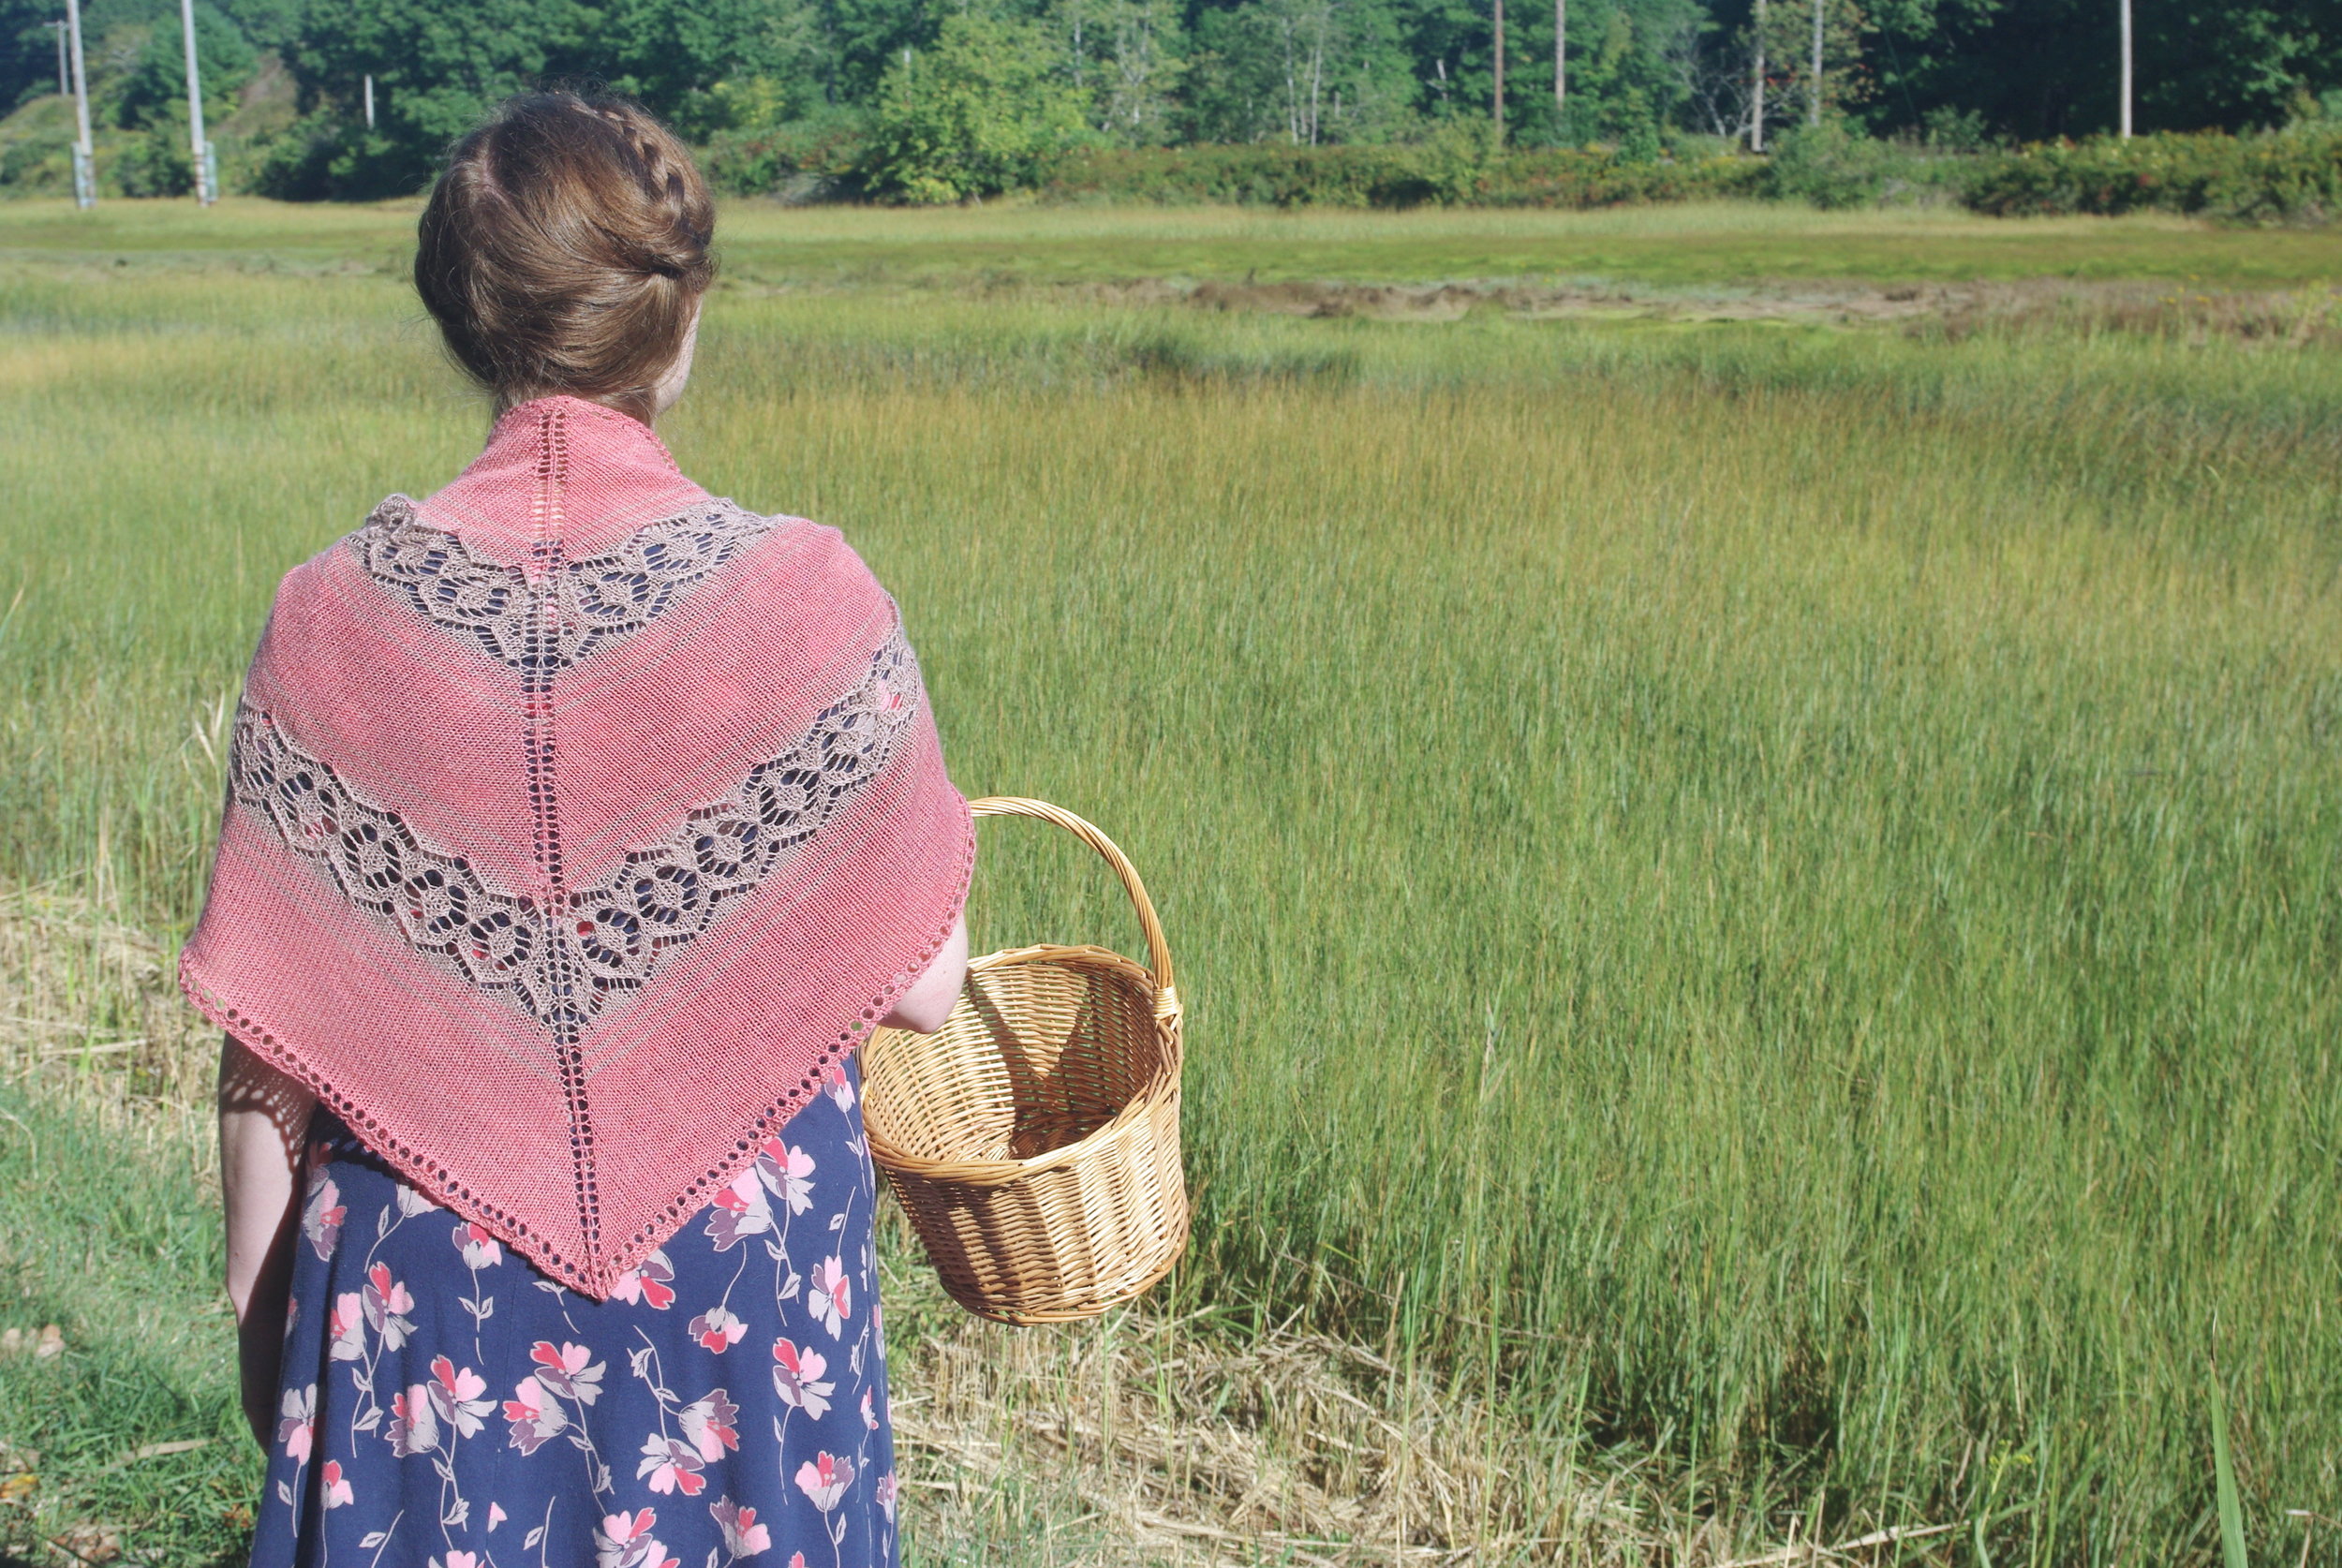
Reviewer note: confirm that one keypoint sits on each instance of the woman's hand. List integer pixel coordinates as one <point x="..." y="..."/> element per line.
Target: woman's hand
<point x="263" y="1121"/>
<point x="929" y="1001"/>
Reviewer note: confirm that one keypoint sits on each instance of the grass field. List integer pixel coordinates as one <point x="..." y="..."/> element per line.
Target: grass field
<point x="1762" y="895"/>
<point x="1721" y="244"/>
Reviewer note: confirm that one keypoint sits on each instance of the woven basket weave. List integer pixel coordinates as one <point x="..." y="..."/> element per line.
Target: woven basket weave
<point x="1034" y="1139"/>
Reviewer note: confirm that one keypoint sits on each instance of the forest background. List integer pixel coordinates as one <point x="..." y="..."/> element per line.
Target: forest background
<point x="1382" y="101"/>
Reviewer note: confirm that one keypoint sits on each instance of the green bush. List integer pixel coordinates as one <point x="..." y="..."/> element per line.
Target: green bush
<point x="154" y="162"/>
<point x="1827" y="166"/>
<point x="820" y="156"/>
<point x="325" y="157"/>
<point x="1587" y="177"/>
<point x="37" y="148"/>
<point x="2292" y="175"/>
<point x="1267" y="174"/>
<point x="983" y="110"/>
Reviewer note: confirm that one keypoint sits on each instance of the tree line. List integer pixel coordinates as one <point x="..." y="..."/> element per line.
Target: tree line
<point x="968" y="80"/>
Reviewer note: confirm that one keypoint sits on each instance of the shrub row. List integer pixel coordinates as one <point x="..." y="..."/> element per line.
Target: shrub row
<point x="1447" y="173"/>
<point x="2294" y="176"/>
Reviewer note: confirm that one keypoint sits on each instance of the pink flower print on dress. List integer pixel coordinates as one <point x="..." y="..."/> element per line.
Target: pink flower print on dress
<point x="479" y="1248"/>
<point x="797" y="1378"/>
<point x="321" y="1217"/>
<point x="457" y="1560"/>
<point x="743" y="1535"/>
<point x="830" y="1296"/>
<point x="739" y="1211"/>
<point x="717" y="1329"/>
<point x="649" y="1282"/>
<point x="885" y="1491"/>
<point x="869" y="1419"/>
<point x="347" y="1324"/>
<point x="496" y="1515"/>
<point x="414" y="1429"/>
<point x="671" y="1466"/>
<point x="710" y="1424"/>
<point x="787" y="1174"/>
<point x="824" y="1478"/>
<point x="387" y="1303"/>
<point x="456" y="1396"/>
<point x="298" y="1428"/>
<point x="625" y="1541"/>
<point x="570" y="1371"/>
<point x="840" y="1087"/>
<point x="534" y="1416"/>
<point x="411" y="1201"/>
<point x="335" y="1486"/>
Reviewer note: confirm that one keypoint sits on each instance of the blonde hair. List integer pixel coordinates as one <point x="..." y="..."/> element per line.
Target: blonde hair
<point x="565" y="250"/>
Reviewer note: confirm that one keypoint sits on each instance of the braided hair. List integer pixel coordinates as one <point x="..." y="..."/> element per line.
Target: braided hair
<point x="565" y="249"/>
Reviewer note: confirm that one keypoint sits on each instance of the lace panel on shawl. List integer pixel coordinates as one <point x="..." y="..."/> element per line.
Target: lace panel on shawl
<point x="603" y="600"/>
<point x="616" y="933"/>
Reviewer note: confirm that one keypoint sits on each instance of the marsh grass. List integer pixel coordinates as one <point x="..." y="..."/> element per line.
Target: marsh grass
<point x="1700" y="244"/>
<point x="1763" y="895"/>
<point x="1142" y="1439"/>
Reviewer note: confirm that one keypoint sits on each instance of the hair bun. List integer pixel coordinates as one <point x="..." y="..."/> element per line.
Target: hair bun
<point x="564" y="249"/>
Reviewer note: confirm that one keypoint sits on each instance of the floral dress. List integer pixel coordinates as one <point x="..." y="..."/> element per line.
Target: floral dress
<point x="445" y="1405"/>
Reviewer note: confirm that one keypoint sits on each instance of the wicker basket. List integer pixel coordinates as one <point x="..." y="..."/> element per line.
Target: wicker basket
<point x="1035" y="1138"/>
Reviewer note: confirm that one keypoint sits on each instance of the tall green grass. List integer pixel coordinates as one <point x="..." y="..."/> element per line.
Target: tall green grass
<point x="1773" y="890"/>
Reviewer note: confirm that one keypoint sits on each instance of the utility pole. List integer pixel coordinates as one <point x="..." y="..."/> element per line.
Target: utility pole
<point x="1497" y="97"/>
<point x="1813" y="108"/>
<point x="1757" y="93"/>
<point x="200" y="144"/>
<point x="369" y="100"/>
<point x="62" y="85"/>
<point x="84" y="154"/>
<point x="2126" y="110"/>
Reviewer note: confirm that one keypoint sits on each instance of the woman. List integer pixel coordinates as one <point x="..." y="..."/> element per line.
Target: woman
<point x="580" y="827"/>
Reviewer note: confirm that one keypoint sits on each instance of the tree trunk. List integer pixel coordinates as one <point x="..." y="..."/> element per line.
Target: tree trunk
<point x="1496" y="97"/>
<point x="1813" y="107"/>
<point x="1560" y="55"/>
<point x="1757" y="93"/>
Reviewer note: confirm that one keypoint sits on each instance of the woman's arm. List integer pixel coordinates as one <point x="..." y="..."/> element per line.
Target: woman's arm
<point x="263" y="1121"/>
<point x="929" y="1001"/>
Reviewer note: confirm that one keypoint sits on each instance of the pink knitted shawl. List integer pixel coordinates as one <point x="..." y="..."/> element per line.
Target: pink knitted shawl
<point x="578" y="824"/>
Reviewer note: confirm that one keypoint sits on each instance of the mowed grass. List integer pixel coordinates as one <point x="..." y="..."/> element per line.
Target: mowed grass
<point x="1769" y="893"/>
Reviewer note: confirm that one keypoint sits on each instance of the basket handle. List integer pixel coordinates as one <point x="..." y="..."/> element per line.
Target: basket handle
<point x="1158" y="950"/>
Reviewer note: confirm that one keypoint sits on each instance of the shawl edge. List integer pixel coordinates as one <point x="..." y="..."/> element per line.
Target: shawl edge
<point x="590" y="1278"/>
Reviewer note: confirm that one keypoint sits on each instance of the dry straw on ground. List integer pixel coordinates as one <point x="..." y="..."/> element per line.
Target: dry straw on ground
<point x="1166" y="1442"/>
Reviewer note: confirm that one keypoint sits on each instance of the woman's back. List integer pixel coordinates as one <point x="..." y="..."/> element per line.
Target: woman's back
<point x="614" y="803"/>
<point x="581" y="826"/>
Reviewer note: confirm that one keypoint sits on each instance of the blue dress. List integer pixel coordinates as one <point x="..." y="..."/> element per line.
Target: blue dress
<point x="445" y="1405"/>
